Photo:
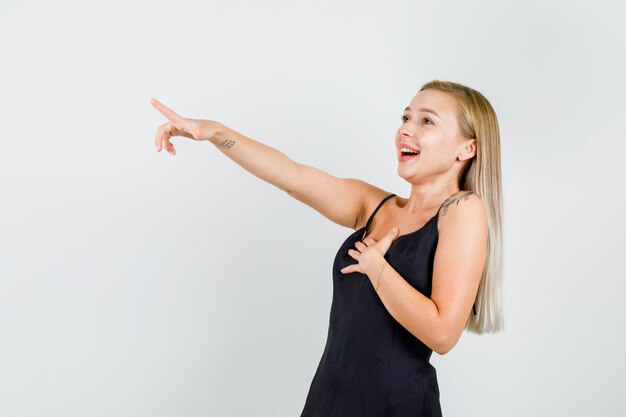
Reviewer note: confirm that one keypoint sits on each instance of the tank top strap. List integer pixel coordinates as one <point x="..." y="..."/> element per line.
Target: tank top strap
<point x="367" y="225"/>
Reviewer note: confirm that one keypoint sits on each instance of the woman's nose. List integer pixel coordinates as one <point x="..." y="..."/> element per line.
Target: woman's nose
<point x="403" y="131"/>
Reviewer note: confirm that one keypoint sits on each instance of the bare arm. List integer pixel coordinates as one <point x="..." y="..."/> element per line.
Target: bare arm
<point x="262" y="161"/>
<point x="342" y="200"/>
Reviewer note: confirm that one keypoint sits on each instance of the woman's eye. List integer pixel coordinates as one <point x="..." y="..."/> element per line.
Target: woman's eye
<point x="405" y="119"/>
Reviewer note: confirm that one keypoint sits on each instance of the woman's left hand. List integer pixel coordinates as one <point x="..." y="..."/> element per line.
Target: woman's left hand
<point x="369" y="252"/>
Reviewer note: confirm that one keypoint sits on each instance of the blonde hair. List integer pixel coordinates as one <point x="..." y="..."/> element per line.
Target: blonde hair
<point x="482" y="175"/>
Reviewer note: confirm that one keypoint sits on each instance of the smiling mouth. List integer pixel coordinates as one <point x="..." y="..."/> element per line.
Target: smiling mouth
<point x="406" y="150"/>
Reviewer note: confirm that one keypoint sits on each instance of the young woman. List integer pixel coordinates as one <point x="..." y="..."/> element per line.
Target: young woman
<point x="416" y="271"/>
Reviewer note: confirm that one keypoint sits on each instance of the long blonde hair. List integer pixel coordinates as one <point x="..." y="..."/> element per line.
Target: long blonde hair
<point x="482" y="175"/>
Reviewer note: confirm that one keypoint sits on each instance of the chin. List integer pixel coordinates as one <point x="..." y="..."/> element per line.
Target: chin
<point x="404" y="174"/>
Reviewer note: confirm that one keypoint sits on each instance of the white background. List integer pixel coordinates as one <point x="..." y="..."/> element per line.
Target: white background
<point x="135" y="283"/>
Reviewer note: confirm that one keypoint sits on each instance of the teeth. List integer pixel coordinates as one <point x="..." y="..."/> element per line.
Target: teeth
<point x="407" y="150"/>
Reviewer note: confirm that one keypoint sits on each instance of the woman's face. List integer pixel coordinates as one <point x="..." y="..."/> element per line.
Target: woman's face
<point x="429" y="125"/>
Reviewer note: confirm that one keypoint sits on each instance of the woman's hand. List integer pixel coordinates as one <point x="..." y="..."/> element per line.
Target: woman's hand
<point x="180" y="126"/>
<point x="369" y="252"/>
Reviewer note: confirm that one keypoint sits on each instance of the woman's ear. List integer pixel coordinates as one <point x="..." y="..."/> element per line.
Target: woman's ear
<point x="469" y="150"/>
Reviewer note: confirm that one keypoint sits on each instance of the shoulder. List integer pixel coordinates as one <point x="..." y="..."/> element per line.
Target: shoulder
<point x="470" y="200"/>
<point x="463" y="211"/>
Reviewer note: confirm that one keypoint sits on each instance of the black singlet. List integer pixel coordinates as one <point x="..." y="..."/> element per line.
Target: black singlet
<point x="371" y="365"/>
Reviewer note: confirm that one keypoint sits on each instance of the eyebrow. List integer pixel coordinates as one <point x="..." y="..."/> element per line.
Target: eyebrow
<point x="425" y="110"/>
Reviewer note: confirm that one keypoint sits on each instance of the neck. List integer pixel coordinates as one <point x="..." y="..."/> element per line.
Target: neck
<point x="424" y="198"/>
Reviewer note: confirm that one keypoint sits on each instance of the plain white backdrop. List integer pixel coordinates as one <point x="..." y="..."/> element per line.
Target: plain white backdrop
<point x="136" y="283"/>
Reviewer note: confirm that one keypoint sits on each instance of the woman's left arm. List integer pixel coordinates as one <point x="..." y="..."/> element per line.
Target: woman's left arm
<point x="460" y="257"/>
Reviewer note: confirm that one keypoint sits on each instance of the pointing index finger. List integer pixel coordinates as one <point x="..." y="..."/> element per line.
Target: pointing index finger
<point x="167" y="112"/>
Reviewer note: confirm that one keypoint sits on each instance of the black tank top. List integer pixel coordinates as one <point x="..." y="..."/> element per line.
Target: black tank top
<point x="371" y="365"/>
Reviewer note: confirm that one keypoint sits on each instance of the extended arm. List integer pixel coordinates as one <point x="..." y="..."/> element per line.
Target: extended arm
<point x="263" y="161"/>
<point x="342" y="200"/>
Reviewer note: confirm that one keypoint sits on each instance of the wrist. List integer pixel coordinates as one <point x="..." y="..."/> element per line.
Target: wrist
<point x="374" y="270"/>
<point x="219" y="132"/>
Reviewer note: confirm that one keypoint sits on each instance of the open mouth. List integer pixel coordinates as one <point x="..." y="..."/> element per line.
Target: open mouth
<point x="404" y="151"/>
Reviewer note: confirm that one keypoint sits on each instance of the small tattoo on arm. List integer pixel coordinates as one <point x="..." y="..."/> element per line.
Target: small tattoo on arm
<point x="458" y="198"/>
<point x="227" y="143"/>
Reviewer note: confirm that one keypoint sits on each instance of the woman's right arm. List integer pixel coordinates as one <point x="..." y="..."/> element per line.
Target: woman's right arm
<point x="342" y="200"/>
